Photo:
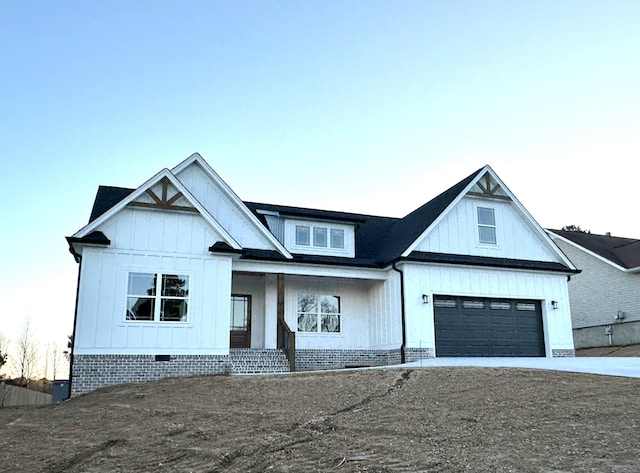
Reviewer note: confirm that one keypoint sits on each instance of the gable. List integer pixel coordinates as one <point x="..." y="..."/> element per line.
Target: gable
<point x="225" y="207"/>
<point x="164" y="193"/>
<point x="458" y="233"/>
<point x="140" y="229"/>
<point x="462" y="227"/>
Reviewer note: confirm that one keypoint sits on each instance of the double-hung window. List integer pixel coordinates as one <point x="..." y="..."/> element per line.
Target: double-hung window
<point x="318" y="313"/>
<point x="157" y="297"/>
<point x="487" y="226"/>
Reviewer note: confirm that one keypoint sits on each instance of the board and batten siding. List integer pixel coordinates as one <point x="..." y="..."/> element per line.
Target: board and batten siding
<point x="457" y="233"/>
<point x="156" y="242"/>
<point x="385" y="307"/>
<point x="222" y="208"/>
<point x="354" y="307"/>
<point x="486" y="283"/>
<point x="600" y="290"/>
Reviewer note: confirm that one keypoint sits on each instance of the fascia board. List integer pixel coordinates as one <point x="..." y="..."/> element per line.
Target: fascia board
<point x="595" y="255"/>
<point x="440" y="217"/>
<point x="310" y="270"/>
<point x="143" y="188"/>
<point x="196" y="158"/>
<point x="541" y="231"/>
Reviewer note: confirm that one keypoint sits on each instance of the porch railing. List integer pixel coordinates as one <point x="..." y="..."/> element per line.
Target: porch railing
<point x="287" y="342"/>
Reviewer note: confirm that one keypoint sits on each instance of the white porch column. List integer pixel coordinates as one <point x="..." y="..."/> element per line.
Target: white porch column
<point x="271" y="311"/>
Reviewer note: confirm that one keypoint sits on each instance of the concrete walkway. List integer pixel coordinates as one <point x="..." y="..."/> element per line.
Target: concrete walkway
<point x="628" y="366"/>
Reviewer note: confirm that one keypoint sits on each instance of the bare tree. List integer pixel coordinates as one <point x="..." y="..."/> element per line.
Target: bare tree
<point x="54" y="354"/>
<point x="4" y="350"/>
<point x="26" y="352"/>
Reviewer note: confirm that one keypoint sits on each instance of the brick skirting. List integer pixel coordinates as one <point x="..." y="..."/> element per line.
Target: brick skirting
<point x="416" y="354"/>
<point x="91" y="372"/>
<point x="560" y="352"/>
<point x="321" y="359"/>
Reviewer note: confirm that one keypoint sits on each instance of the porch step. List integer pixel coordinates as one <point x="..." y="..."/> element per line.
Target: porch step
<point x="257" y="360"/>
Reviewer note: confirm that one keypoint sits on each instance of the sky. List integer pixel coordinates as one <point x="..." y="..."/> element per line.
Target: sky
<point x="363" y="106"/>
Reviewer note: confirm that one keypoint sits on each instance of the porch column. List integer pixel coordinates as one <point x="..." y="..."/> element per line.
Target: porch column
<point x="271" y="311"/>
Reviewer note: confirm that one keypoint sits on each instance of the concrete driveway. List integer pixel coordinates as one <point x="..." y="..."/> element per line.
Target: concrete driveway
<point x="611" y="366"/>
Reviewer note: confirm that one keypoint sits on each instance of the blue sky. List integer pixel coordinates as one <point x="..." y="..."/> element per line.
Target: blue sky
<point x="362" y="106"/>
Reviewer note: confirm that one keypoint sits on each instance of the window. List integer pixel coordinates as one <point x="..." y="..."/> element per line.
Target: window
<point x="318" y="313"/>
<point x="337" y="238"/>
<point x="303" y="235"/>
<point x="487" y="226"/>
<point x="320" y="237"/>
<point x="323" y="237"/>
<point x="156" y="297"/>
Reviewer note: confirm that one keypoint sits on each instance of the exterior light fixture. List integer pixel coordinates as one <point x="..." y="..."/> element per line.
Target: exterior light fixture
<point x="554" y="304"/>
<point x="425" y="299"/>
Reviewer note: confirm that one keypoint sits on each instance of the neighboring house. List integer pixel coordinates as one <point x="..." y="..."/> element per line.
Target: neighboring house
<point x="180" y="277"/>
<point x="605" y="296"/>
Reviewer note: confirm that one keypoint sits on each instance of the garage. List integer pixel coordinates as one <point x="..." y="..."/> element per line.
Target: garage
<point x="467" y="326"/>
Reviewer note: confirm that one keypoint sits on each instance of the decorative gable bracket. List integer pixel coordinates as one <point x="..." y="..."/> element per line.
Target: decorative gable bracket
<point x="164" y="202"/>
<point x="488" y="188"/>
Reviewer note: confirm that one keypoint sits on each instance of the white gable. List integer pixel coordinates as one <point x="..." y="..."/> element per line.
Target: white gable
<point x="225" y="206"/>
<point x="517" y="234"/>
<point x="457" y="233"/>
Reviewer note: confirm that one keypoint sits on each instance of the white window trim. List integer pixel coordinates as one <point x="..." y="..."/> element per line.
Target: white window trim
<point x="484" y="225"/>
<point x="348" y="236"/>
<point x="319" y="313"/>
<point x="158" y="298"/>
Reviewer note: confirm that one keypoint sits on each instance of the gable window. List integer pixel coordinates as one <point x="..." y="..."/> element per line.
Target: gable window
<point x="318" y="313"/>
<point x="157" y="297"/>
<point x="303" y="235"/>
<point x="487" y="225"/>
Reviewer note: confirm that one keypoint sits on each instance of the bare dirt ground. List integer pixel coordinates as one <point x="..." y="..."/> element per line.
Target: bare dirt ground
<point x="629" y="350"/>
<point x="422" y="420"/>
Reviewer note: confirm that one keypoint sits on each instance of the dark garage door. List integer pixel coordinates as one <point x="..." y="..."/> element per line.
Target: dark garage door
<point x="467" y="326"/>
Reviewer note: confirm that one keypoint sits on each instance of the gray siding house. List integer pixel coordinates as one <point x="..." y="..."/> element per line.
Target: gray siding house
<point x="605" y="302"/>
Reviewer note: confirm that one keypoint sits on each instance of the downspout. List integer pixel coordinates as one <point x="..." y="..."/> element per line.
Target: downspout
<point x="78" y="259"/>
<point x="402" y="315"/>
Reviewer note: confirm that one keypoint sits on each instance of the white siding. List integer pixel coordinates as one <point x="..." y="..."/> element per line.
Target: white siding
<point x="355" y="311"/>
<point x="516" y="238"/>
<point x="386" y="319"/>
<point x="600" y="291"/>
<point x="101" y="325"/>
<point x="461" y="281"/>
<point x="158" y="231"/>
<point x="223" y="209"/>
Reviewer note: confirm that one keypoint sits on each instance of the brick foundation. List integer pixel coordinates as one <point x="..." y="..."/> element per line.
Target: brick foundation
<point x="319" y="359"/>
<point x="91" y="372"/>
<point x="416" y="354"/>
<point x="558" y="353"/>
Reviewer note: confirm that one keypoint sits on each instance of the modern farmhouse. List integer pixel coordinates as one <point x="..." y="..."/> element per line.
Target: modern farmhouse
<point x="181" y="277"/>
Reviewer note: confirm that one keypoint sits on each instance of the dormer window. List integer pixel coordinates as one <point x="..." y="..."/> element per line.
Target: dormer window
<point x="337" y="238"/>
<point x="320" y="238"/>
<point x="487" y="226"/>
<point x="303" y="235"/>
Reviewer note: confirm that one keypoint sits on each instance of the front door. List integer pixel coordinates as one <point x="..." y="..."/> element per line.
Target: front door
<point x="240" y="321"/>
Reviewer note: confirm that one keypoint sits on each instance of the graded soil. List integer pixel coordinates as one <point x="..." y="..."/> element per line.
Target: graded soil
<point x="386" y="420"/>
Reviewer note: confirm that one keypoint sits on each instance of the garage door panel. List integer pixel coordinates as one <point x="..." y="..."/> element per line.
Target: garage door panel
<point x="487" y="327"/>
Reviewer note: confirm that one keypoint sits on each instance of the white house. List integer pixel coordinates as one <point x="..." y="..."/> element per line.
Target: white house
<point x="180" y="276"/>
<point x="605" y="307"/>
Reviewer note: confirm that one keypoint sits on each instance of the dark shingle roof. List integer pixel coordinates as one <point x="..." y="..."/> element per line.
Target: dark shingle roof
<point x="107" y="197"/>
<point x="379" y="240"/>
<point x="624" y="252"/>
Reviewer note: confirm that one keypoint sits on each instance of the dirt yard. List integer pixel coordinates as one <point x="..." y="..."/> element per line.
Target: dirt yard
<point x="422" y="420"/>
